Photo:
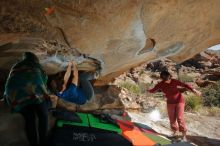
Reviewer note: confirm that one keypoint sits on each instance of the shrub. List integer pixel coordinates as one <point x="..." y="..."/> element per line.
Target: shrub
<point x="185" y="78"/>
<point x="214" y="111"/>
<point x="131" y="87"/>
<point x="141" y="72"/>
<point x="155" y="75"/>
<point x="210" y="111"/>
<point x="192" y="103"/>
<point x="159" y="95"/>
<point x="144" y="86"/>
<point x="211" y="95"/>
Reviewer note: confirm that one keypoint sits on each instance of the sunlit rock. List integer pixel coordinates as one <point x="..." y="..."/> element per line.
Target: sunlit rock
<point x="119" y="34"/>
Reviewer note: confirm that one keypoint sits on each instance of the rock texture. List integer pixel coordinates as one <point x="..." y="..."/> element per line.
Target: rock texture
<point x="11" y="133"/>
<point x="121" y="34"/>
<point x="202" y="130"/>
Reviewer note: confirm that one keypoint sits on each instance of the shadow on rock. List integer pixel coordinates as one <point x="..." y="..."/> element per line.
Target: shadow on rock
<point x="204" y="141"/>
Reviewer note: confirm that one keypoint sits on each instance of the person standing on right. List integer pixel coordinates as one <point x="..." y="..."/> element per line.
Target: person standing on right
<point x="175" y="101"/>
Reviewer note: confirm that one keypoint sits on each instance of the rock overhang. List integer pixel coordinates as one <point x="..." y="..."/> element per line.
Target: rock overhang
<point x="120" y="34"/>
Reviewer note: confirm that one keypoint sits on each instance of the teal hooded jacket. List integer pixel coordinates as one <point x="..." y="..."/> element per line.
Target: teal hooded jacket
<point x="26" y="83"/>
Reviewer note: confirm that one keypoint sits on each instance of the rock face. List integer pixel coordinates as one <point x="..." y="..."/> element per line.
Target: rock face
<point x="12" y="128"/>
<point x="12" y="133"/>
<point x="203" y="67"/>
<point x="121" y="34"/>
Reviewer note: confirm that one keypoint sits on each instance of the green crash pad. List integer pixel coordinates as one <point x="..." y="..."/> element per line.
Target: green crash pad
<point x="89" y="120"/>
<point x="83" y="117"/>
<point x="100" y="124"/>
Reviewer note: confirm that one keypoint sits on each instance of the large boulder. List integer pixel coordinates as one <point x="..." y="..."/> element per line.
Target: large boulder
<point x="120" y="34"/>
<point x="12" y="130"/>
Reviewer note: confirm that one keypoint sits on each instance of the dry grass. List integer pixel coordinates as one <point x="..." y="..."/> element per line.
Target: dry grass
<point x="207" y="111"/>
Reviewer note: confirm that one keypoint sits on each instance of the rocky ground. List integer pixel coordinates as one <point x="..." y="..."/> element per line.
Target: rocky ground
<point x="202" y="130"/>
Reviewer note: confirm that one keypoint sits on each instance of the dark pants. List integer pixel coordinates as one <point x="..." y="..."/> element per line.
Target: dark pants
<point x="31" y="114"/>
<point x="85" y="84"/>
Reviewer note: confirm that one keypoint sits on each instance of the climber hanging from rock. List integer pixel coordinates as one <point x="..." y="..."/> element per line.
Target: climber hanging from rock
<point x="75" y="87"/>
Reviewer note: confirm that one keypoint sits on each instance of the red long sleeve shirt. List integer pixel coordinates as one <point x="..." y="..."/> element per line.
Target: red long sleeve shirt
<point x="171" y="91"/>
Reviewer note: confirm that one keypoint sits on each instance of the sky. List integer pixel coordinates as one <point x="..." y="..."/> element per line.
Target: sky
<point x="216" y="47"/>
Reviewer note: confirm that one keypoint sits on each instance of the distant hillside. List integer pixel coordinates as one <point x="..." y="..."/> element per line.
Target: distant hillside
<point x="217" y="52"/>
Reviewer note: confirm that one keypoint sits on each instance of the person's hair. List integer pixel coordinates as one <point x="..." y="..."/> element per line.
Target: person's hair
<point x="165" y="75"/>
<point x="29" y="60"/>
<point x="59" y="85"/>
<point x="30" y="57"/>
<point x="55" y="83"/>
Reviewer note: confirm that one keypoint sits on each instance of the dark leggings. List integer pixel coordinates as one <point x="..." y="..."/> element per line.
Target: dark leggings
<point x="31" y="113"/>
<point x="84" y="81"/>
